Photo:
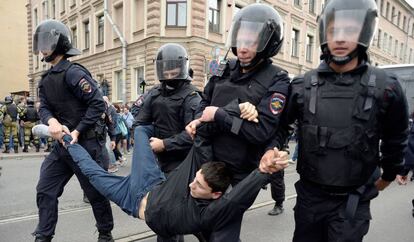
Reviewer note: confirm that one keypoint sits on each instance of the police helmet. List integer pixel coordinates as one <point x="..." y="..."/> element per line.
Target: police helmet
<point x="30" y="101"/>
<point x="53" y="36"/>
<point x="350" y="20"/>
<point x="171" y="63"/>
<point x="260" y="20"/>
<point x="8" y="99"/>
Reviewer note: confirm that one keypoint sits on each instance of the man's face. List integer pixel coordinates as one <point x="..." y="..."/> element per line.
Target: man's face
<point x="247" y="42"/>
<point x="342" y="36"/>
<point x="200" y="189"/>
<point x="171" y="74"/>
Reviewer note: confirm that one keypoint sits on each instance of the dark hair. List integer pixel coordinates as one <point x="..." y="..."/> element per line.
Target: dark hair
<point x="216" y="175"/>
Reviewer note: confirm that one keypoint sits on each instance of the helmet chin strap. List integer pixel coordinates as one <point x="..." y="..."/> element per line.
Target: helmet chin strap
<point x="252" y="63"/>
<point x="340" y="60"/>
<point x="49" y="58"/>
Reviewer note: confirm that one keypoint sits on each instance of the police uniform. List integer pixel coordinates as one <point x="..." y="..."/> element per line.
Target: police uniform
<point x="169" y="113"/>
<point x="342" y="117"/>
<point x="10" y="113"/>
<point x="68" y="93"/>
<point x="30" y="118"/>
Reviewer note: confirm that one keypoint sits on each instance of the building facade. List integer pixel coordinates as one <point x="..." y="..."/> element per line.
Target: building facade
<point x="14" y="66"/>
<point x="200" y="26"/>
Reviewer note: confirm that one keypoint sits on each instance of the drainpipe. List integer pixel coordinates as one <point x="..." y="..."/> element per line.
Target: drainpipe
<point x="124" y="49"/>
<point x="406" y="38"/>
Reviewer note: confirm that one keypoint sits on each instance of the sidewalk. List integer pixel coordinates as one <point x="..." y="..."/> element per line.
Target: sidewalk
<point x="21" y="155"/>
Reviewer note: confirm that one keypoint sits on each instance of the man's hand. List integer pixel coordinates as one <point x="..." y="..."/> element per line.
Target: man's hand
<point x="157" y="145"/>
<point x="273" y="161"/>
<point x="402" y="180"/>
<point x="248" y="111"/>
<point x="208" y="114"/>
<point x="381" y="184"/>
<point x="56" y="129"/>
<point x="192" y="127"/>
<point x="75" y="136"/>
<point x="112" y="145"/>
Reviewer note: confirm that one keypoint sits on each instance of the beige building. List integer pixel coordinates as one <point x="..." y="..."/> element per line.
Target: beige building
<point x="13" y="47"/>
<point x="200" y="26"/>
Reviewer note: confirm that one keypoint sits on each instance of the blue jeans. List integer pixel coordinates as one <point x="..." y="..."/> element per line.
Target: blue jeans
<point x="127" y="192"/>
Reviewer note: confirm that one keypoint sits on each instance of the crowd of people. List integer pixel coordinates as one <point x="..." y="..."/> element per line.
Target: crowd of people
<point x="199" y="158"/>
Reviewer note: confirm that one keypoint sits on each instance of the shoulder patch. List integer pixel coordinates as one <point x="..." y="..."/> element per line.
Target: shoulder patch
<point x="85" y="86"/>
<point x="277" y="103"/>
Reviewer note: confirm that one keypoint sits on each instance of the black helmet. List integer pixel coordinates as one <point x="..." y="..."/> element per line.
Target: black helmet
<point x="8" y="99"/>
<point x="30" y="101"/>
<point x="171" y="62"/>
<point x="53" y="36"/>
<point x="350" y="20"/>
<point x="263" y="20"/>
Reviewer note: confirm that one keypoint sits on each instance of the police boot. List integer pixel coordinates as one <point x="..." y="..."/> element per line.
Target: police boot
<point x="47" y="149"/>
<point x="40" y="238"/>
<point x="25" y="149"/>
<point x="16" y="149"/>
<point x="37" y="148"/>
<point x="277" y="209"/>
<point x="6" y="150"/>
<point x="105" y="237"/>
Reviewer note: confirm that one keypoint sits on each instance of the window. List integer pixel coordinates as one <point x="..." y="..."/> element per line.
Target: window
<point x="101" y="25"/>
<point x="72" y="3"/>
<point x="176" y="13"/>
<point x="119" y="20"/>
<point x="387" y="11"/>
<point x="410" y="56"/>
<point x="118" y="84"/>
<point x="393" y="14"/>
<point x="62" y="6"/>
<point x="312" y="6"/>
<point x="309" y="48"/>
<point x="45" y="10"/>
<point x="74" y="37"/>
<point x="35" y="19"/>
<point x="139" y="80"/>
<point x="295" y="42"/>
<point x="404" y="22"/>
<point x="297" y="3"/>
<point x="86" y="34"/>
<point x="382" y="7"/>
<point x="412" y="30"/>
<point x="379" y="39"/>
<point x="390" y="44"/>
<point x="396" y="48"/>
<point x="139" y="15"/>
<point x="385" y="42"/>
<point x="398" y="18"/>
<point x="401" y="51"/>
<point x="36" y="57"/>
<point x="214" y="15"/>
<point x="53" y="10"/>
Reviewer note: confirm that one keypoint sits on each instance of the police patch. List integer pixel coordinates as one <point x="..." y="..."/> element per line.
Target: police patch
<point x="277" y="102"/>
<point x="85" y="86"/>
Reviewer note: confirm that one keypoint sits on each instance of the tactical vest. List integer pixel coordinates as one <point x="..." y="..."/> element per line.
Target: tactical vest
<point x="31" y="114"/>
<point x="339" y="131"/>
<point x="168" y="112"/>
<point x="63" y="104"/>
<point x="11" y="110"/>
<point x="239" y="153"/>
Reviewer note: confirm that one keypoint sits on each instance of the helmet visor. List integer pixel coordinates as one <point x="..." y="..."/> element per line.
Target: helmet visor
<point x="248" y="34"/>
<point x="171" y="69"/>
<point x="347" y="25"/>
<point x="45" y="41"/>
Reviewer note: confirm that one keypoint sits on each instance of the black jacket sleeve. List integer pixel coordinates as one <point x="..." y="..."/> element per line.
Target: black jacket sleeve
<point x="394" y="129"/>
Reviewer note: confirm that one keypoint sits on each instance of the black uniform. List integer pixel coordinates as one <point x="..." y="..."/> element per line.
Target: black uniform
<point x="170" y="112"/>
<point x="68" y="93"/>
<point x="341" y="119"/>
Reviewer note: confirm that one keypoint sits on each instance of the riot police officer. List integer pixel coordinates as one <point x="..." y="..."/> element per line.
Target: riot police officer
<point x="9" y="112"/>
<point x="30" y="118"/>
<point x="255" y="36"/>
<point x="343" y="108"/>
<point x="68" y="96"/>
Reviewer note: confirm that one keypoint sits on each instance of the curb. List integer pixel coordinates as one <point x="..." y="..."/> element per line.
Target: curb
<point x="19" y="156"/>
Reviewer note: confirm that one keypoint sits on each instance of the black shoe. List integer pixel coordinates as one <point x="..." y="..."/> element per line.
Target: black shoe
<point x="16" y="149"/>
<point x="40" y="238"/>
<point x="26" y="149"/>
<point x="277" y="209"/>
<point x="105" y="237"/>
<point x="37" y="148"/>
<point x="47" y="149"/>
<point x="6" y="151"/>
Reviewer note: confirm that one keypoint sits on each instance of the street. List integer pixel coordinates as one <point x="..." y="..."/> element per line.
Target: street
<point x="391" y="211"/>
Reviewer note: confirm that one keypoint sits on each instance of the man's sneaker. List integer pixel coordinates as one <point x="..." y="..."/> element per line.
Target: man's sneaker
<point x="112" y="168"/>
<point x="277" y="209"/>
<point x="105" y="237"/>
<point x="40" y="238"/>
<point x="122" y="161"/>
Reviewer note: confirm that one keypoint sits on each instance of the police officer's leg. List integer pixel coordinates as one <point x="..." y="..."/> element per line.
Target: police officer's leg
<point x="54" y="174"/>
<point x="277" y="187"/>
<point x="309" y="223"/>
<point x="341" y="229"/>
<point x="15" y="128"/>
<point x="7" y="132"/>
<point x="27" y="133"/>
<point x="100" y="205"/>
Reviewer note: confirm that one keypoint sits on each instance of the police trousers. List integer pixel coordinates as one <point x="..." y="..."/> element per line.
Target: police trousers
<point x="321" y="216"/>
<point x="55" y="172"/>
